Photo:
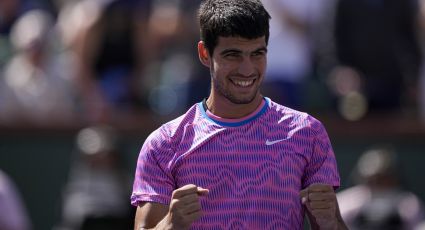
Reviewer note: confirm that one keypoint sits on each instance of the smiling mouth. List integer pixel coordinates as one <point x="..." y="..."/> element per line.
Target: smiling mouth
<point x="243" y="83"/>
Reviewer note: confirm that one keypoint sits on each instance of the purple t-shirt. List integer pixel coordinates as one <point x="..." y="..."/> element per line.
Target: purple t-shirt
<point x="254" y="167"/>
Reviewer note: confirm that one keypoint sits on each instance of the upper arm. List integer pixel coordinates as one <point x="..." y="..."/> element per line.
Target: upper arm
<point x="149" y="214"/>
<point x="322" y="166"/>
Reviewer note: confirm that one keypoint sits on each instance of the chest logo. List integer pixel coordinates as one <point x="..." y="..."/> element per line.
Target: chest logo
<point x="268" y="142"/>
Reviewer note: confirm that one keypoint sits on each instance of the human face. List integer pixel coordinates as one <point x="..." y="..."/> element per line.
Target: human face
<point x="237" y="69"/>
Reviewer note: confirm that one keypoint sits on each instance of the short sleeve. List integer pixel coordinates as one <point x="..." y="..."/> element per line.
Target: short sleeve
<point x="153" y="181"/>
<point x="322" y="166"/>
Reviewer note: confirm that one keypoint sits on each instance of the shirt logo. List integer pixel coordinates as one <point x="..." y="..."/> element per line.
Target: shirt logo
<point x="268" y="142"/>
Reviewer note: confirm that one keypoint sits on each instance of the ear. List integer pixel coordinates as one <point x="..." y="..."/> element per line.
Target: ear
<point x="204" y="55"/>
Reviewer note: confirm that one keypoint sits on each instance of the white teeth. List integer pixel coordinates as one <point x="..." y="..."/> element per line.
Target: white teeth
<point x="243" y="83"/>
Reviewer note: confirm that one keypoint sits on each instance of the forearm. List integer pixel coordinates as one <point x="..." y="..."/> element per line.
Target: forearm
<point x="339" y="225"/>
<point x="338" y="222"/>
<point x="164" y="224"/>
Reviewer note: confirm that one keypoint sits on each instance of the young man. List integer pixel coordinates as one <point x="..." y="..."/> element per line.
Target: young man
<point x="237" y="160"/>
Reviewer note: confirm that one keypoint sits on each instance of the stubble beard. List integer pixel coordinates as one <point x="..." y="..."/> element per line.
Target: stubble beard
<point x="219" y="88"/>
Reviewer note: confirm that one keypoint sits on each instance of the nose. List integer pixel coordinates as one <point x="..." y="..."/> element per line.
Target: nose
<point x="246" y="67"/>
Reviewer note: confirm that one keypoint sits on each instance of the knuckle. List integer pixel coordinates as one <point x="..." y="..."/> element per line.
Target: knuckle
<point x="175" y="193"/>
<point x="189" y="187"/>
<point x="198" y="205"/>
<point x="197" y="215"/>
<point x="193" y="197"/>
<point x="174" y="204"/>
<point x="194" y="216"/>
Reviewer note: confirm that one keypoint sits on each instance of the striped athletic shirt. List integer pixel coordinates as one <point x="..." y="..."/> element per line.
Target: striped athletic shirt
<point x="254" y="167"/>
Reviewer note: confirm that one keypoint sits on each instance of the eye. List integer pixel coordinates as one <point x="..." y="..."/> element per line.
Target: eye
<point x="232" y="54"/>
<point x="259" y="53"/>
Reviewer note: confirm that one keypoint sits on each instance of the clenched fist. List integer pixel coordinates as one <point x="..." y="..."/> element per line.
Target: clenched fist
<point x="320" y="201"/>
<point x="185" y="206"/>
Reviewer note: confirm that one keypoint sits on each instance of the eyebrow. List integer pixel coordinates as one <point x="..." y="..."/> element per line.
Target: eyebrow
<point x="233" y="50"/>
<point x="261" y="49"/>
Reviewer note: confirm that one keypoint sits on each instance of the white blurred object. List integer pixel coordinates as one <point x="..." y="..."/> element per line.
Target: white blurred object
<point x="33" y="27"/>
<point x="93" y="140"/>
<point x="78" y="16"/>
<point x="420" y="226"/>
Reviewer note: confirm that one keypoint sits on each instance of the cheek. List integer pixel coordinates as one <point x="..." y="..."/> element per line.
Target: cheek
<point x="221" y="68"/>
<point x="262" y="67"/>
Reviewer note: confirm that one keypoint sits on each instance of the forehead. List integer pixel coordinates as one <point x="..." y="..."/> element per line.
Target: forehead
<point x="240" y="43"/>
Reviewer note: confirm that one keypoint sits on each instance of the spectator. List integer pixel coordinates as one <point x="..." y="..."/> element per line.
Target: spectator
<point x="108" y="58"/>
<point x="376" y="44"/>
<point x="96" y="194"/>
<point x="378" y="200"/>
<point x="174" y="80"/>
<point x="10" y="12"/>
<point x="291" y="48"/>
<point x="35" y="86"/>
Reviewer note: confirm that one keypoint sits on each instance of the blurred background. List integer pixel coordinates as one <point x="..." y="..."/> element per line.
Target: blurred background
<point x="83" y="82"/>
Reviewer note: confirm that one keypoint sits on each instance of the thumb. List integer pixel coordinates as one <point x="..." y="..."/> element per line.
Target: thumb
<point x="304" y="196"/>
<point x="202" y="191"/>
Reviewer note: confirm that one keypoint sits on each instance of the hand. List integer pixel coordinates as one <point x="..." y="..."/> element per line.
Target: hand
<point x="185" y="207"/>
<point x="321" y="204"/>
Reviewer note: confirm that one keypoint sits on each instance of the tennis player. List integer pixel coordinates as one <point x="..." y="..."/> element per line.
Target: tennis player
<point x="236" y="160"/>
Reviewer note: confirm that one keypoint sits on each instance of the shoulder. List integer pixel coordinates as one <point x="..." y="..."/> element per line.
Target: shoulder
<point x="292" y="118"/>
<point x="171" y="131"/>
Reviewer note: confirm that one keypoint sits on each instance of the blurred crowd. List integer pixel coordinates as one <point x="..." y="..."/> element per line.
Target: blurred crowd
<point x="103" y="61"/>
<point x="96" y="60"/>
<point x="90" y="61"/>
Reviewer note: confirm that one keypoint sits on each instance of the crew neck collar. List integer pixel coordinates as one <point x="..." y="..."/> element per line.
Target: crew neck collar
<point x="238" y="121"/>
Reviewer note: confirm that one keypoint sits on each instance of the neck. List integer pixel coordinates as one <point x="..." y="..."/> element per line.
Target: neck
<point x="227" y="109"/>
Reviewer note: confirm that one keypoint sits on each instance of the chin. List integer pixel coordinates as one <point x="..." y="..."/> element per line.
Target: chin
<point x="242" y="100"/>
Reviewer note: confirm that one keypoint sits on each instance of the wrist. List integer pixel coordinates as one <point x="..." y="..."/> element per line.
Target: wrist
<point x="341" y="225"/>
<point x="168" y="224"/>
<point x="165" y="224"/>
